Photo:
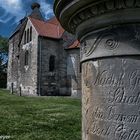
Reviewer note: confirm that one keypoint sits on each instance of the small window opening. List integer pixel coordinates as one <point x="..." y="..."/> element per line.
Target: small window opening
<point x="52" y="63"/>
<point x="26" y="58"/>
<point x="25" y="37"/>
<point x="30" y="33"/>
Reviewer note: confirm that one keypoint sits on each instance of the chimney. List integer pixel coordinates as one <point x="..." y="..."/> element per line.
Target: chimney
<point x="36" y="11"/>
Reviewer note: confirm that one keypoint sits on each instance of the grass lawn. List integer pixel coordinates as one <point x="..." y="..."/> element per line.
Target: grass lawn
<point x="39" y="118"/>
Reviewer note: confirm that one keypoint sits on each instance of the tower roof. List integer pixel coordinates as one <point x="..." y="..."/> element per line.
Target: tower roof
<point x="35" y="5"/>
<point x="36" y="13"/>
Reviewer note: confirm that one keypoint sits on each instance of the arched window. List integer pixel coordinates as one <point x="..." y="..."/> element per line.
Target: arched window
<point x="30" y="33"/>
<point x="25" y="37"/>
<point x="52" y="63"/>
<point x="26" y="58"/>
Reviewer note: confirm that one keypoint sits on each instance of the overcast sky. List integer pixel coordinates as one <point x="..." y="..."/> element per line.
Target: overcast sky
<point x="11" y="11"/>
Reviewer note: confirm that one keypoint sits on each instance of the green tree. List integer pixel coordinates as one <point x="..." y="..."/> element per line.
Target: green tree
<point x="3" y="61"/>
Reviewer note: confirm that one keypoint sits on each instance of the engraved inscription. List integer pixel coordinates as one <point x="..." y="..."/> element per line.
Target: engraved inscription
<point x="112" y="92"/>
<point x="110" y="114"/>
<point x="120" y="132"/>
<point x="110" y="41"/>
<point x="119" y="95"/>
<point x="90" y="46"/>
<point x="123" y="133"/>
<point x="134" y="79"/>
<point x="105" y="78"/>
<point x="104" y="131"/>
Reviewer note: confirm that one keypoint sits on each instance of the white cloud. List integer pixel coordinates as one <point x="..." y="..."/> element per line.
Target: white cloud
<point x="14" y="4"/>
<point x="5" y="20"/>
<point x="11" y="5"/>
<point x="13" y="8"/>
<point x="46" y="8"/>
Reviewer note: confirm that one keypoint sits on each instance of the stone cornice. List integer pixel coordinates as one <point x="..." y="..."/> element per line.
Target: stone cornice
<point x="121" y="40"/>
<point x="80" y="15"/>
<point x="65" y="9"/>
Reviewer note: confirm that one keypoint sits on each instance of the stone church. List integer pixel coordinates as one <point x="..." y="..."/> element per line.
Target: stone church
<point x="43" y="58"/>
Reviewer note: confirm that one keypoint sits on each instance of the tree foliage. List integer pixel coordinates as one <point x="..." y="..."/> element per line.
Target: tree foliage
<point x="3" y="44"/>
<point x="3" y="61"/>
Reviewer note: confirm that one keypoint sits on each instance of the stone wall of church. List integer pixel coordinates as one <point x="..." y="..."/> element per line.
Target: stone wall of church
<point x="38" y="78"/>
<point x="13" y="61"/>
<point x="28" y="73"/>
<point x="73" y="72"/>
<point x="12" y="74"/>
<point x="52" y="81"/>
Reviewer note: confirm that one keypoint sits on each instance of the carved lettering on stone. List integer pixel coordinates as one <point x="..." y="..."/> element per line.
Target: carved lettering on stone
<point x="110" y="41"/>
<point x="112" y="99"/>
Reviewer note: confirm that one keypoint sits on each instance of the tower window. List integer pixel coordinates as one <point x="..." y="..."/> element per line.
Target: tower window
<point x="52" y="63"/>
<point x="25" y="37"/>
<point x="26" y="58"/>
<point x="30" y="33"/>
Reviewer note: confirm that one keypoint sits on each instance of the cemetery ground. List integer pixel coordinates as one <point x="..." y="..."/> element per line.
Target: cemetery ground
<point x="39" y="118"/>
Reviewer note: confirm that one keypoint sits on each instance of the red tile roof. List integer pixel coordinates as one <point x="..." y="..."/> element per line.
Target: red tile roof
<point x="75" y="45"/>
<point x="53" y="21"/>
<point x="50" y="28"/>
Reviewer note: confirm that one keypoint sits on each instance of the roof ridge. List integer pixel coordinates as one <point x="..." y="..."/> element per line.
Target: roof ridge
<point x="51" y="18"/>
<point x="46" y="22"/>
<point x="47" y="29"/>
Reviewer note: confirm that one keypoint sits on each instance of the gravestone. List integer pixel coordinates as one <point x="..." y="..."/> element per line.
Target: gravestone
<point x="109" y="32"/>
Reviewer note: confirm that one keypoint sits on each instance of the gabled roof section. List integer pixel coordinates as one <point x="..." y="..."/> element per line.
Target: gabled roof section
<point x="50" y="28"/>
<point x="74" y="45"/>
<point x="53" y="21"/>
<point x="22" y="23"/>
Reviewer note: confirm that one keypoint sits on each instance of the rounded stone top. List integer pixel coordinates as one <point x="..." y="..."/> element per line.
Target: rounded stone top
<point x="84" y="16"/>
<point x="35" y="5"/>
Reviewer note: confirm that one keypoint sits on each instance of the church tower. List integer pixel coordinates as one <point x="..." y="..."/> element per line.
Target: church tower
<point x="36" y="11"/>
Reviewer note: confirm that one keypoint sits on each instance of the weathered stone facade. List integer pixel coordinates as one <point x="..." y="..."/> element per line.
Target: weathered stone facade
<point x="109" y="33"/>
<point x="52" y="82"/>
<point x="14" y="50"/>
<point x="73" y="72"/>
<point x="41" y="65"/>
<point x="27" y="79"/>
